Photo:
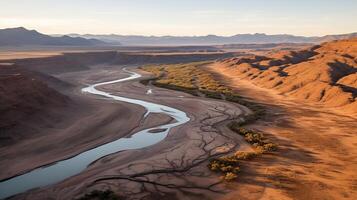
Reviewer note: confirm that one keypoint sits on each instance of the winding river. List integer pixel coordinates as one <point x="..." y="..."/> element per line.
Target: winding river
<point x="61" y="170"/>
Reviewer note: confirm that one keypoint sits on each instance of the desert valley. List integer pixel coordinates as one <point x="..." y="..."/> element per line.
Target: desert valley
<point x="127" y="117"/>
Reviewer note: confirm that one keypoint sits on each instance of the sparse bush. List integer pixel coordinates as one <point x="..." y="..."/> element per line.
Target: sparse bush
<point x="230" y="176"/>
<point x="236" y="170"/>
<point x="254" y="138"/>
<point x="230" y="164"/>
<point x="228" y="168"/>
<point x="240" y="155"/>
<point x="214" y="166"/>
<point x="191" y="79"/>
<point x="268" y="147"/>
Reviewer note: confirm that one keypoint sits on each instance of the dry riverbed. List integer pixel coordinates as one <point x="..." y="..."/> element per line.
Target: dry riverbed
<point x="173" y="168"/>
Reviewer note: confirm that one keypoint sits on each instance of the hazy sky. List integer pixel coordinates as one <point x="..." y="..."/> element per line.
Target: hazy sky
<point x="182" y="17"/>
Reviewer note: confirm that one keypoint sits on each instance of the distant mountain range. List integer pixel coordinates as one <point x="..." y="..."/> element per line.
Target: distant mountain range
<point x="212" y="39"/>
<point x="21" y="36"/>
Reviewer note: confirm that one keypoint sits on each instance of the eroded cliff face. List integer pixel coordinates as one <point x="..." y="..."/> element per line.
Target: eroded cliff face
<point x="325" y="74"/>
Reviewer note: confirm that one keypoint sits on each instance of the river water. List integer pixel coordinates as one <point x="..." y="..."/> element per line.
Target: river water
<point x="58" y="171"/>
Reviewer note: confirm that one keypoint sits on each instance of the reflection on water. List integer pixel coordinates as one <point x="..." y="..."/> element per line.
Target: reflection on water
<point x="61" y="170"/>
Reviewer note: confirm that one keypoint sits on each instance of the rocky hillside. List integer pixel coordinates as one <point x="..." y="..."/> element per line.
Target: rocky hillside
<point x="325" y="74"/>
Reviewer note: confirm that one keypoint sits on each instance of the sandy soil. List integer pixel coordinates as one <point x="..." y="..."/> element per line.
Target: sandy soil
<point x="173" y="168"/>
<point x="325" y="74"/>
<point x="90" y="122"/>
<point x="4" y="55"/>
<point x="317" y="157"/>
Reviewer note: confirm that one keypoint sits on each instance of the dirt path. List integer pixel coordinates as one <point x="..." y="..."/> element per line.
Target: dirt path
<point x="317" y="157"/>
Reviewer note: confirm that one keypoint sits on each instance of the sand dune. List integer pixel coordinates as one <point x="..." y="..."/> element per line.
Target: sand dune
<point x="325" y="74"/>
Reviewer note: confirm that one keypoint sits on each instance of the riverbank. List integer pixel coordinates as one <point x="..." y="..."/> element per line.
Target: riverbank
<point x="185" y="151"/>
<point x="90" y="123"/>
<point x="61" y="170"/>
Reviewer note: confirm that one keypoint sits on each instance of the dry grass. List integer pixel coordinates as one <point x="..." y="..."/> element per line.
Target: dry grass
<point x="256" y="139"/>
<point x="191" y="79"/>
<point x="187" y="76"/>
<point x="229" y="165"/>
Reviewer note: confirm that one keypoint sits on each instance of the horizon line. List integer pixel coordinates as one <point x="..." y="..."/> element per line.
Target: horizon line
<point x="143" y="35"/>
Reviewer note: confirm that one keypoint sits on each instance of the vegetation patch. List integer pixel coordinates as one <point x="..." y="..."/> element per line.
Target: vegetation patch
<point x="229" y="165"/>
<point x="191" y="79"/>
<point x="185" y="77"/>
<point x="256" y="139"/>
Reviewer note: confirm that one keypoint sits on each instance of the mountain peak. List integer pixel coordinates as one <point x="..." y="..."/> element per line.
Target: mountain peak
<point x="20" y="28"/>
<point x="21" y="36"/>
